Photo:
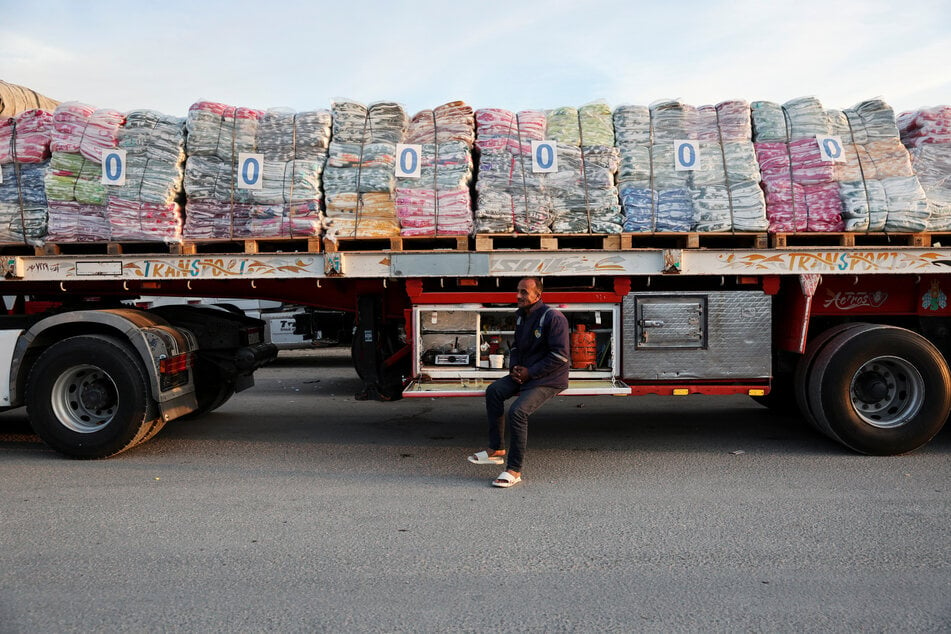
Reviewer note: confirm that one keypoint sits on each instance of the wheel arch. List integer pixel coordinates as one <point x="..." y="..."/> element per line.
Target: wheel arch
<point x="150" y="337"/>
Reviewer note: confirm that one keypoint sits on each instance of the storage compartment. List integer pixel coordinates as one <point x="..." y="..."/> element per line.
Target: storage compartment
<point x="460" y="350"/>
<point x="697" y="336"/>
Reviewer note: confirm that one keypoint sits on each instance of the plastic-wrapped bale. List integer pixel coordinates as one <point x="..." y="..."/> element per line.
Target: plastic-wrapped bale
<point x="285" y="135"/>
<point x="509" y="195"/>
<point x="926" y="133"/>
<point x="294" y="147"/>
<point x="801" y="189"/>
<point x="72" y="177"/>
<point x="147" y="206"/>
<point x="217" y="129"/>
<point x="77" y="200"/>
<point x="359" y="180"/>
<point x="26" y="137"/>
<point x="438" y="202"/>
<point x="584" y="196"/>
<point x="878" y="188"/>
<point x="23" y="205"/>
<point x="83" y="129"/>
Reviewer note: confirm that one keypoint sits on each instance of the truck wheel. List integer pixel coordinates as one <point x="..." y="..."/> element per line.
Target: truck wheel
<point x="89" y="397"/>
<point x="880" y="390"/>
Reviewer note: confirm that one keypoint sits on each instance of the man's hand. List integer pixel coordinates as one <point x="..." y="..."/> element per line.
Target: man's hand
<point x="519" y="374"/>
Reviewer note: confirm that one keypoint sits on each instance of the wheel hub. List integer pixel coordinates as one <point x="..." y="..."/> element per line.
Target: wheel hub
<point x="97" y="395"/>
<point x="871" y="387"/>
<point x="887" y="392"/>
<point x="84" y="398"/>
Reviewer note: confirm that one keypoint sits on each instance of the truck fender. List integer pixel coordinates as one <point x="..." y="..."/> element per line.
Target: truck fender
<point x="150" y="336"/>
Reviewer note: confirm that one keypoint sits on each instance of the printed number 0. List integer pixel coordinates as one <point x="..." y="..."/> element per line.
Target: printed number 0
<point x="254" y="167"/>
<point x="686" y="155"/>
<point x="545" y="156"/>
<point x="832" y="148"/>
<point x="413" y="159"/>
<point x="113" y="167"/>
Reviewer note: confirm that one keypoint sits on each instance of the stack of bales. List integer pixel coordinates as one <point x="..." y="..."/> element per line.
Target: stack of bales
<point x="359" y="181"/>
<point x="147" y="207"/>
<point x="74" y="190"/>
<point x="720" y="193"/>
<point x="294" y="149"/>
<point x="24" y="161"/>
<point x="510" y="196"/>
<point x="584" y="198"/>
<point x="438" y="202"/>
<point x="927" y="135"/>
<point x="877" y="186"/>
<point x="871" y="188"/>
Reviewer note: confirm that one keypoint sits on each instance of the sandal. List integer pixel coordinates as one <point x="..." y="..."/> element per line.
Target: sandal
<point x="506" y="480"/>
<point x="483" y="457"/>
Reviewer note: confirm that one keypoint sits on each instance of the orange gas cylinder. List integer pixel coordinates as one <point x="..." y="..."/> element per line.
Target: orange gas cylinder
<point x="583" y="348"/>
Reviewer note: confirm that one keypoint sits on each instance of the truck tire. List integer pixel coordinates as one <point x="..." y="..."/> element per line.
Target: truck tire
<point x="89" y="397"/>
<point x="804" y="371"/>
<point x="880" y="390"/>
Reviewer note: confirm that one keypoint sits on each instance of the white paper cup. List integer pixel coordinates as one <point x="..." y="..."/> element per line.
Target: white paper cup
<point x="495" y="360"/>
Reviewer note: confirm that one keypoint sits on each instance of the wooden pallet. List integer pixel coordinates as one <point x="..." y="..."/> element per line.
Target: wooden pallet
<point x="257" y="245"/>
<point x="695" y="240"/>
<point x="108" y="248"/>
<point x="548" y="241"/>
<point x="398" y="243"/>
<point x="852" y="239"/>
<point x="18" y="248"/>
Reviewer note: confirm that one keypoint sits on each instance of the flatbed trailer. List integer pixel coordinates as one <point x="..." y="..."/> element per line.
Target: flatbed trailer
<point x="856" y="337"/>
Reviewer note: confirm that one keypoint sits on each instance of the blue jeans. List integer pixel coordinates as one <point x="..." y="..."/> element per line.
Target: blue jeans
<point x="524" y="406"/>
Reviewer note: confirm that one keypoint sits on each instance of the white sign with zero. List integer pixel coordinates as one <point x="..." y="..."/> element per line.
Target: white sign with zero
<point x="250" y="171"/>
<point x="830" y="149"/>
<point x="544" y="156"/>
<point x="686" y="156"/>
<point x="113" y="167"/>
<point x="408" y="163"/>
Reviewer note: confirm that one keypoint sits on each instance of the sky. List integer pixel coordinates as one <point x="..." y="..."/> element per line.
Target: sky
<point x="512" y="54"/>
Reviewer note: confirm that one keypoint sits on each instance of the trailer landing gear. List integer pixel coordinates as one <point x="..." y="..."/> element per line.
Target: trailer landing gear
<point x="380" y="359"/>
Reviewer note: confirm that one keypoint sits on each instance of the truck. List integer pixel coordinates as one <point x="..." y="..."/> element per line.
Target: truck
<point x="854" y="330"/>
<point x="287" y="326"/>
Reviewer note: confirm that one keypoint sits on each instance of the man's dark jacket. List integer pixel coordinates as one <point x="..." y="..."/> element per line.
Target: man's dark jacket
<point x="542" y="345"/>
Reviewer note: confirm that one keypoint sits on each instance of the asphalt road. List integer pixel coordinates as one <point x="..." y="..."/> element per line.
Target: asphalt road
<point x="296" y="508"/>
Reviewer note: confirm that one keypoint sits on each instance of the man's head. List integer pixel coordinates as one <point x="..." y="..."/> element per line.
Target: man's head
<point x="529" y="291"/>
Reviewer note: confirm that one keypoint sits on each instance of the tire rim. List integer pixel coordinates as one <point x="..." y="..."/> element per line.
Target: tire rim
<point x="887" y="392"/>
<point x="84" y="399"/>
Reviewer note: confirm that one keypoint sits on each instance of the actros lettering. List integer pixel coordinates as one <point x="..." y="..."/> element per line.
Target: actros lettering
<point x="850" y="300"/>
